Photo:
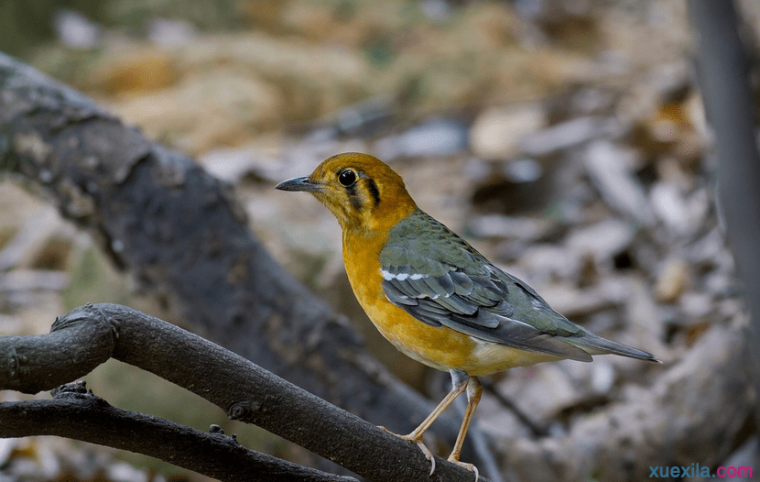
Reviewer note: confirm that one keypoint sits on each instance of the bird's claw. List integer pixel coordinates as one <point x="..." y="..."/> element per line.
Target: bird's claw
<point x="428" y="454"/>
<point x="467" y="466"/>
<point x="418" y="442"/>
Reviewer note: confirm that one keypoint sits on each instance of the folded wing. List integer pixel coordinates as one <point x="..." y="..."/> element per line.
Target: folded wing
<point x="441" y="280"/>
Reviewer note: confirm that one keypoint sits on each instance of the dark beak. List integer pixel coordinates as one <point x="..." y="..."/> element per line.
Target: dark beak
<point x="299" y="184"/>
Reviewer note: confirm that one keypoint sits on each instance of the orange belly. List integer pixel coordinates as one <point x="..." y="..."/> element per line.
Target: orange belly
<point x="443" y="348"/>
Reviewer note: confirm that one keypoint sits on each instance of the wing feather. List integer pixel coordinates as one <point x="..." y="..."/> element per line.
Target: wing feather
<point x="398" y="297"/>
<point x="463" y="285"/>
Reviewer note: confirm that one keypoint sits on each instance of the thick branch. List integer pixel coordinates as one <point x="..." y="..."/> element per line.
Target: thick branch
<point x="75" y="414"/>
<point x="242" y="389"/>
<point x="35" y="363"/>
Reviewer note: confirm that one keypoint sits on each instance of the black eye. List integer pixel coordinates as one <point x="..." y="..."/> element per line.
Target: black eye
<point x="347" y="177"/>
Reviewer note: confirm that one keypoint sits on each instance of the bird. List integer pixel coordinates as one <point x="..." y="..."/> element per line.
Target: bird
<point x="435" y="297"/>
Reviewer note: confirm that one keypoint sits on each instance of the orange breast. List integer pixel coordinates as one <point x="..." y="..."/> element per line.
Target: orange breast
<point x="438" y="347"/>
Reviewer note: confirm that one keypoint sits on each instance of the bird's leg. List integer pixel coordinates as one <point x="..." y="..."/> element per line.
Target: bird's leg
<point x="474" y="392"/>
<point x="459" y="380"/>
<point x="458" y="385"/>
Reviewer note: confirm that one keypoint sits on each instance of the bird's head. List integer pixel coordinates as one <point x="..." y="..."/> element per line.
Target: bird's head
<point x="360" y="190"/>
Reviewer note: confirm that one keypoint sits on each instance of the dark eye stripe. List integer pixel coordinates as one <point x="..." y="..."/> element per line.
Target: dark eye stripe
<point x="352" y="183"/>
<point x="373" y="191"/>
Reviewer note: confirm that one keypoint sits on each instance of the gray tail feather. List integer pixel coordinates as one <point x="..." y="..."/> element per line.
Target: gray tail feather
<point x="596" y="345"/>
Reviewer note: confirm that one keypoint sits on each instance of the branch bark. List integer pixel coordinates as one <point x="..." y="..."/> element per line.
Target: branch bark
<point x="73" y="413"/>
<point x="242" y="389"/>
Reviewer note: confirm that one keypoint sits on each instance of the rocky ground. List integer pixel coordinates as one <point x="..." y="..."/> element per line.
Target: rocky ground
<point x="565" y="139"/>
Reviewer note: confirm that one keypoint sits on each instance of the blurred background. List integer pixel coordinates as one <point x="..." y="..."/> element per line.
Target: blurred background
<point x="566" y="139"/>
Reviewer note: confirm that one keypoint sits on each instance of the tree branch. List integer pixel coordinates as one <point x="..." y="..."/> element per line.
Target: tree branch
<point x="73" y="413"/>
<point x="242" y="389"/>
<point x="32" y="364"/>
<point x="681" y="418"/>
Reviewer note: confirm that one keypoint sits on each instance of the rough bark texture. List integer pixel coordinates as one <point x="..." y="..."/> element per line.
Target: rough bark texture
<point x="245" y="391"/>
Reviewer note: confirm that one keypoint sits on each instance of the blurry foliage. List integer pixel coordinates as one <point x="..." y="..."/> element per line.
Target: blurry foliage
<point x="25" y="25"/>
<point x="207" y="15"/>
<point x="55" y="255"/>
<point x="93" y="280"/>
<point x="6" y="234"/>
<point x="449" y="56"/>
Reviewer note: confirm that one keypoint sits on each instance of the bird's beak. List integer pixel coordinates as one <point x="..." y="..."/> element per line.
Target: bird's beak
<point x="299" y="184"/>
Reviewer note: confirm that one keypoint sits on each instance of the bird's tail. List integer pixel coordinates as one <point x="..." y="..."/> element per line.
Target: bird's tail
<point x="596" y="345"/>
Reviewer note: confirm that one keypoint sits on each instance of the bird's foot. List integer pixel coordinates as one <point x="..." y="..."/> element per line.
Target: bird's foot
<point x="418" y="442"/>
<point x="465" y="465"/>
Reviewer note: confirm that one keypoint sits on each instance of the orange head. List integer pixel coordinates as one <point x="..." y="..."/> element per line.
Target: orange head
<point x="360" y="190"/>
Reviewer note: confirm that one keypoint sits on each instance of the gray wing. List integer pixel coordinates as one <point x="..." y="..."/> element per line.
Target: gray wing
<point x="441" y="280"/>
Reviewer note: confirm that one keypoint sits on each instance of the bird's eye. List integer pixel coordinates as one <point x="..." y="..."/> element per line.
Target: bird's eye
<point x="347" y="177"/>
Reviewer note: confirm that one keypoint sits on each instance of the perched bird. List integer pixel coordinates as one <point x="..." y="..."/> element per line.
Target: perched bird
<point x="432" y="295"/>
